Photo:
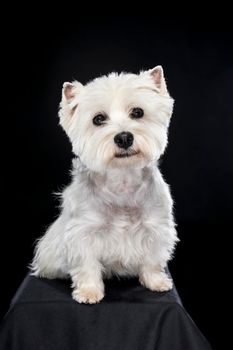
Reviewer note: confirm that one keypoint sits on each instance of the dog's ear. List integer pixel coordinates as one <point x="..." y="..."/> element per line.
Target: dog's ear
<point x="69" y="102"/>
<point x="159" y="80"/>
<point x="70" y="92"/>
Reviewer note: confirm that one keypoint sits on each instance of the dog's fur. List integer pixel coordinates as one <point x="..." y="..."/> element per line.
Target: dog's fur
<point x="116" y="214"/>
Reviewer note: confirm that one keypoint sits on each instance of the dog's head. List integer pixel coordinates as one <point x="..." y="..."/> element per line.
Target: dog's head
<point x="117" y="120"/>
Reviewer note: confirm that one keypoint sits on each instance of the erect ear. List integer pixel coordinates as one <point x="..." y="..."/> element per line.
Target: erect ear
<point x="70" y="93"/>
<point x="158" y="78"/>
<point x="69" y="102"/>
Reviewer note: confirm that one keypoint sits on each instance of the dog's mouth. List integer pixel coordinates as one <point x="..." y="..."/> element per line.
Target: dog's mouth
<point x="126" y="154"/>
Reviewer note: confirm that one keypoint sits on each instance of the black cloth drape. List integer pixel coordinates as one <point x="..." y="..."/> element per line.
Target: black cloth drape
<point x="43" y="316"/>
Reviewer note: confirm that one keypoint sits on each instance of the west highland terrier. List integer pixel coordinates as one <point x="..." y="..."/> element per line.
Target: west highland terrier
<point x="116" y="216"/>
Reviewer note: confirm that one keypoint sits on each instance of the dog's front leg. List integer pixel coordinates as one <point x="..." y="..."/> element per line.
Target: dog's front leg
<point x="88" y="286"/>
<point x="161" y="242"/>
<point x="154" y="278"/>
<point x="152" y="273"/>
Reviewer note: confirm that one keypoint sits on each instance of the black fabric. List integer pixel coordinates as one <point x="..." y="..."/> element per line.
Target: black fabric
<point x="43" y="316"/>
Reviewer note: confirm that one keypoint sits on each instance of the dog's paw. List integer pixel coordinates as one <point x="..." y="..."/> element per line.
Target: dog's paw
<point x="88" y="295"/>
<point x="157" y="282"/>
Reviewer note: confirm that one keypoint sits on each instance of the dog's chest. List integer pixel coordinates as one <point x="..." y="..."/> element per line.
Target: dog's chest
<point x="120" y="204"/>
<point x="122" y="187"/>
<point x="124" y="217"/>
<point x="123" y="234"/>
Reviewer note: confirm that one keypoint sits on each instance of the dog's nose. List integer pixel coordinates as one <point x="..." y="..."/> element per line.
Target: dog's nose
<point x="124" y="139"/>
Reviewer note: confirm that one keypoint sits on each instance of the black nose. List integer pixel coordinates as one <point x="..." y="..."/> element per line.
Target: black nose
<point x="124" y="139"/>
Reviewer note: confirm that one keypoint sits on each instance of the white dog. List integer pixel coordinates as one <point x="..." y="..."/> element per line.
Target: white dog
<point x="116" y="214"/>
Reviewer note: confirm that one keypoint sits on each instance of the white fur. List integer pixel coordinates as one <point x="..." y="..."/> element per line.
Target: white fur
<point x="116" y="214"/>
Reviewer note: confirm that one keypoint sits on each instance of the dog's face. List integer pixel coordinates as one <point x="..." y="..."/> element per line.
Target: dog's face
<point x="117" y="120"/>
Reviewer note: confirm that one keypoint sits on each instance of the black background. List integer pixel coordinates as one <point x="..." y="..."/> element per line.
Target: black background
<point x="46" y="49"/>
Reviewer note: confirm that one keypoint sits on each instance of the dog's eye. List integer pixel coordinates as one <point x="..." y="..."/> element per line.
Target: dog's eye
<point x="99" y="119"/>
<point x="136" y="113"/>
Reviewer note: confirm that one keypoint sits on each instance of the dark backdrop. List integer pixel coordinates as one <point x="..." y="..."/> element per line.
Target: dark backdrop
<point x="42" y="53"/>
